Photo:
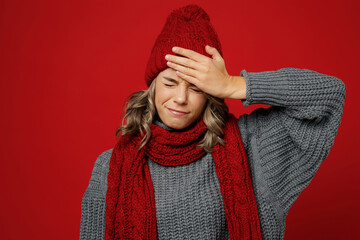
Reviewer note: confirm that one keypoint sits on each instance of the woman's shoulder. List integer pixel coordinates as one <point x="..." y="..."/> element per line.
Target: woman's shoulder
<point x="98" y="182"/>
<point x="249" y="124"/>
<point x="102" y="162"/>
<point x="104" y="158"/>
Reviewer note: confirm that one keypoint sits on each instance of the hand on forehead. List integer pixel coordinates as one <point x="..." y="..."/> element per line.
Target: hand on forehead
<point x="209" y="74"/>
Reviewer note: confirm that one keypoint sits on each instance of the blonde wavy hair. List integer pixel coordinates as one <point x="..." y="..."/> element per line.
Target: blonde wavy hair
<point x="140" y="113"/>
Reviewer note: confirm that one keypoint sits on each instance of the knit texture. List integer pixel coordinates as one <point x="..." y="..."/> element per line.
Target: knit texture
<point x="188" y="27"/>
<point x="285" y="145"/>
<point x="130" y="202"/>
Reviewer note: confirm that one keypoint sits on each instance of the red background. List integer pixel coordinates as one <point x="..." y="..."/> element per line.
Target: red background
<point x="66" y="68"/>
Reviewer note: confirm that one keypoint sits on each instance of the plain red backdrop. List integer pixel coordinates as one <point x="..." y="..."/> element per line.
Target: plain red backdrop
<point x="66" y="68"/>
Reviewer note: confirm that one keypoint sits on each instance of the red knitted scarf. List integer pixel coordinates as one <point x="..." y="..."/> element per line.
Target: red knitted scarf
<point x="130" y="202"/>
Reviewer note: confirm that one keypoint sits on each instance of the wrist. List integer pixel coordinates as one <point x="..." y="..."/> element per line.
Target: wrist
<point x="237" y="87"/>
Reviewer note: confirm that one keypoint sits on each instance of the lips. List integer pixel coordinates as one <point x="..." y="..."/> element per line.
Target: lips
<point x="176" y="112"/>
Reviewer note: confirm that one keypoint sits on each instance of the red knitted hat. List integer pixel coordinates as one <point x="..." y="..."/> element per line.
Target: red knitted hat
<point x="187" y="27"/>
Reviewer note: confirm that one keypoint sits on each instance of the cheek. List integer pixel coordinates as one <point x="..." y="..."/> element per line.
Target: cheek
<point x="200" y="102"/>
<point x="161" y="96"/>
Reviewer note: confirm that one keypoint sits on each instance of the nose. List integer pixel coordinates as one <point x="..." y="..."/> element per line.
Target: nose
<point x="181" y="94"/>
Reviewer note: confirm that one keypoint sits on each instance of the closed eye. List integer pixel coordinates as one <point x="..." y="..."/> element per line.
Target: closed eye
<point x="197" y="90"/>
<point x="169" y="85"/>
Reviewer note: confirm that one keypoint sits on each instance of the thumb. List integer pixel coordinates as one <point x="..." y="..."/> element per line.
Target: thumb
<point x="213" y="52"/>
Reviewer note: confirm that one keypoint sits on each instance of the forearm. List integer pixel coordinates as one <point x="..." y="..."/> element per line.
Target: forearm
<point x="237" y="87"/>
<point x="302" y="93"/>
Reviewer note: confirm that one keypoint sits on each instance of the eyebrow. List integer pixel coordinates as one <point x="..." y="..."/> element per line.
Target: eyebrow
<point x="175" y="81"/>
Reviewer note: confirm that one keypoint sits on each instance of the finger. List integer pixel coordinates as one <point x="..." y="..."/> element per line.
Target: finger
<point x="189" y="53"/>
<point x="213" y="52"/>
<point x="185" y="70"/>
<point x="187" y="62"/>
<point x="188" y="78"/>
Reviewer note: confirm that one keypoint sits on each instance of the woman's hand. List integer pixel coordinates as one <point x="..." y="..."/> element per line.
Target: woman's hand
<point x="208" y="74"/>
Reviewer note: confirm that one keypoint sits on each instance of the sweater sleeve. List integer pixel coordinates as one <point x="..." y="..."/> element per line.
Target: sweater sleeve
<point x="93" y="203"/>
<point x="294" y="135"/>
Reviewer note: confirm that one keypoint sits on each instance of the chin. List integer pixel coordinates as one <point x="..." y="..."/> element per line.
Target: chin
<point x="176" y="126"/>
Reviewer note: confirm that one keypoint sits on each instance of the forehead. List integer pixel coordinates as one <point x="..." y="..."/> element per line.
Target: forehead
<point x="169" y="75"/>
<point x="175" y="80"/>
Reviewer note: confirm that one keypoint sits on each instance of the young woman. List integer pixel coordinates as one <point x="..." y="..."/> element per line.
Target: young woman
<point x="186" y="168"/>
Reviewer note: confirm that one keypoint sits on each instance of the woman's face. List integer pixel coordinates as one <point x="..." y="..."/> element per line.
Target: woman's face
<point x="173" y="94"/>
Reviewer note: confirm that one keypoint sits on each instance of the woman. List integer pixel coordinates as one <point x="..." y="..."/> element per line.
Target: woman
<point x="185" y="168"/>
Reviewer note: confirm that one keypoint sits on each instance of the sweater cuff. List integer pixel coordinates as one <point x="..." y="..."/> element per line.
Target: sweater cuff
<point x="268" y="87"/>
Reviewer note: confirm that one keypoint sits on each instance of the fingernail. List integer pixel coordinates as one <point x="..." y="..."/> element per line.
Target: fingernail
<point x="175" y="49"/>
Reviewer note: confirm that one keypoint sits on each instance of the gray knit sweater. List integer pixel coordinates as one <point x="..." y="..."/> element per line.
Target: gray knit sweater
<point x="285" y="145"/>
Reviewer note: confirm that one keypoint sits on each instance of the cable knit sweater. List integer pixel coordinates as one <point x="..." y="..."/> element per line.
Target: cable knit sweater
<point x="285" y="145"/>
